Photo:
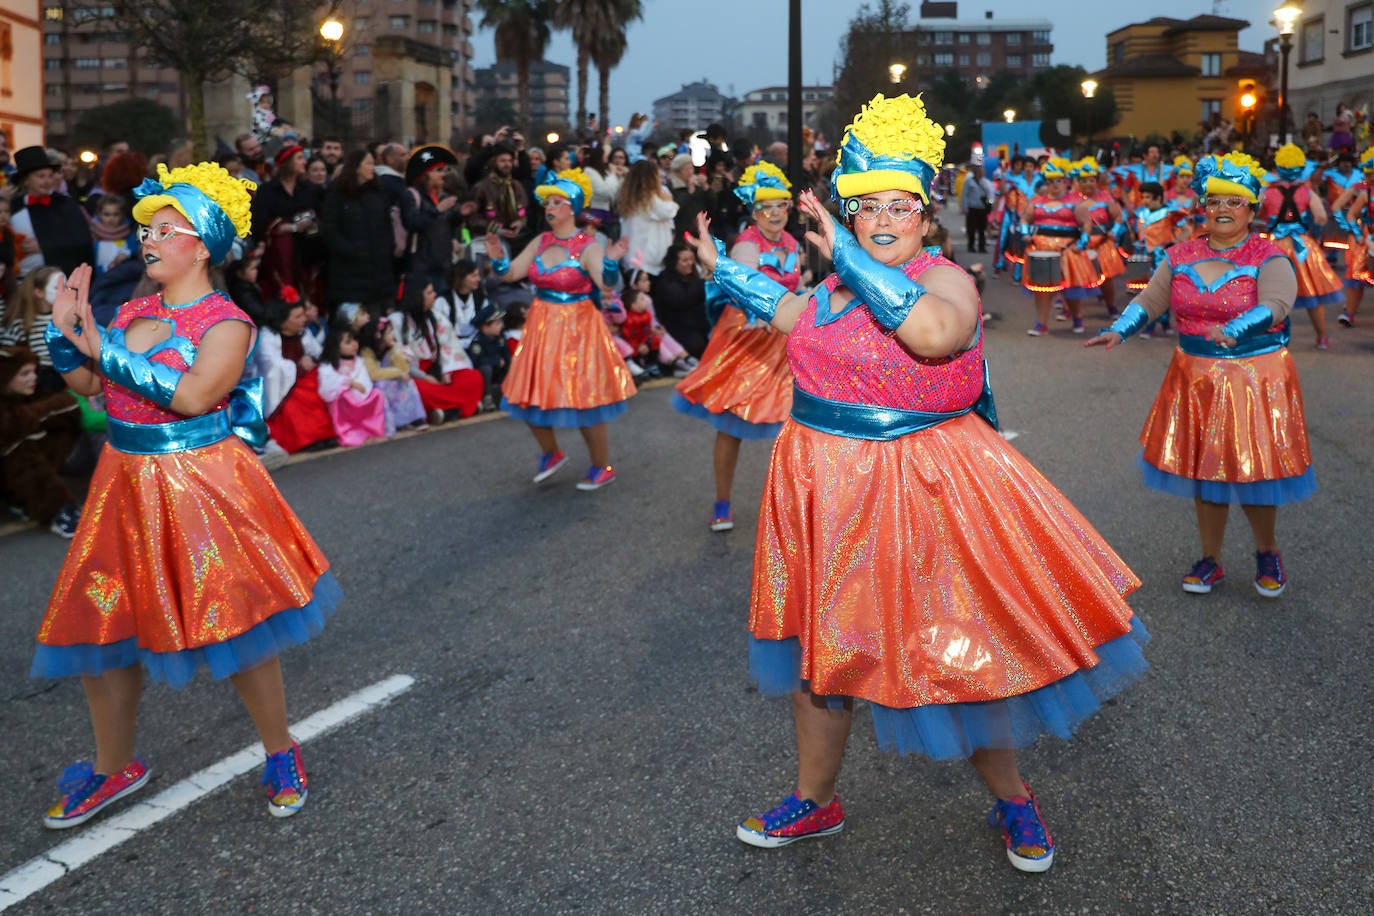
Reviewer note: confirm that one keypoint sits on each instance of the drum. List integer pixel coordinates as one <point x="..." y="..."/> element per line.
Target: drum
<point x="1138" y="270"/>
<point x="1045" y="272"/>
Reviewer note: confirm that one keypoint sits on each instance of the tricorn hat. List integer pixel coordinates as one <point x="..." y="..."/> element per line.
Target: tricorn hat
<point x="424" y="158"/>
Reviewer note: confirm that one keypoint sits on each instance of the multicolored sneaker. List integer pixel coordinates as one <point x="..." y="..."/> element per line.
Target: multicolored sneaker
<point x="1029" y="844"/>
<point x="722" y="519"/>
<point x="1205" y="574"/>
<point x="549" y="465"/>
<point x="1038" y="331"/>
<point x="1323" y="343"/>
<point x="1078" y="325"/>
<point x="597" y="478"/>
<point x="1346" y="320"/>
<point x="85" y="793"/>
<point x="287" y="784"/>
<point x="794" y="819"/>
<point x="1270" y="580"/>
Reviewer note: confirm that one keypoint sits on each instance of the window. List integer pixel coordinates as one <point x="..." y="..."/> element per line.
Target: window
<point x="1014" y="61"/>
<point x="1013" y="38"/>
<point x="944" y="60"/>
<point x="1312" y="41"/>
<point x="1210" y="107"/>
<point x="426" y="26"/>
<point x="362" y="78"/>
<point x="984" y="59"/>
<point x="1118" y="52"/>
<point x="52" y="38"/>
<point x="400" y="23"/>
<point x="87" y="63"/>
<point x="1361" y="28"/>
<point x="1041" y="37"/>
<point x="362" y="23"/>
<point x="1211" y="65"/>
<point x="52" y="63"/>
<point x="943" y="38"/>
<point x="985" y="38"/>
<point x="964" y="38"/>
<point x="116" y="63"/>
<point x="1040" y="60"/>
<point x="53" y="14"/>
<point x="963" y="60"/>
<point x="362" y="50"/>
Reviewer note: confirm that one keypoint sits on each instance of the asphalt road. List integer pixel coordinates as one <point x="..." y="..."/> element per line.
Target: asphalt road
<point x="582" y="736"/>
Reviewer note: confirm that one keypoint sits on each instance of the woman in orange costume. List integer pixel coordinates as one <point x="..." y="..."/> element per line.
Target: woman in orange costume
<point x="1108" y="227"/>
<point x="567" y="371"/>
<point x="1293" y="215"/>
<point x="1059" y="221"/>
<point x="906" y="554"/>
<point x="187" y="555"/>
<point x="743" y="387"/>
<point x="1354" y="213"/>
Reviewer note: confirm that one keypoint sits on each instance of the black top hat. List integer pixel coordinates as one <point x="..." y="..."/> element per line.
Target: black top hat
<point x="424" y="158"/>
<point x="30" y="159"/>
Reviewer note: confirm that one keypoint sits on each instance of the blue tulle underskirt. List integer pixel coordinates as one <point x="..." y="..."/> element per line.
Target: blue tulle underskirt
<point x="725" y="421"/>
<point x="1081" y="292"/>
<point x="1351" y="283"/>
<point x="1311" y="302"/>
<point x="1256" y="493"/>
<point x="953" y="731"/>
<point x="287" y="628"/>
<point x="565" y="417"/>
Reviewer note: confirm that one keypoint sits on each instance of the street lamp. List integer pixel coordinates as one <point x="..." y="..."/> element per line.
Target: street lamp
<point x="332" y="30"/>
<point x="949" y="130"/>
<point x="88" y="157"/>
<point x="552" y="137"/>
<point x="1089" y="87"/>
<point x="1010" y="115"/>
<point x="895" y="72"/>
<point x="1285" y="17"/>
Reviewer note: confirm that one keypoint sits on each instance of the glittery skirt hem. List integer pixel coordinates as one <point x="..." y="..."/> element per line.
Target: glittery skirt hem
<point x="724" y="421"/>
<point x="743" y="372"/>
<point x="1279" y="492"/>
<point x="566" y="363"/>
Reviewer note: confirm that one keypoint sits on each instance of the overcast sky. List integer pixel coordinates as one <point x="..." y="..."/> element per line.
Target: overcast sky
<point x="681" y="41"/>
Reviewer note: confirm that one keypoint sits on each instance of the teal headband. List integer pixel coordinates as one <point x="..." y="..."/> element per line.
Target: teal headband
<point x="209" y="219"/>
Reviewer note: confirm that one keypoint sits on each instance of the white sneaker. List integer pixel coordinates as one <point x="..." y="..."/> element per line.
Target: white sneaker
<point x="273" y="455"/>
<point x="635" y="368"/>
<point x="681" y="369"/>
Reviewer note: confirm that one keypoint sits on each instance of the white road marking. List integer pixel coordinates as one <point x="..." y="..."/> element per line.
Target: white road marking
<point x="1009" y="434"/>
<point x="108" y="832"/>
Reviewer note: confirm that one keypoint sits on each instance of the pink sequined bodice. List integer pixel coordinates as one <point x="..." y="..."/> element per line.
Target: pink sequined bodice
<point x="567" y="277"/>
<point x="1047" y="212"/>
<point x="189" y="324"/>
<point x="1100" y="212"/>
<point x="855" y="360"/>
<point x="780" y="260"/>
<point x="1199" y="306"/>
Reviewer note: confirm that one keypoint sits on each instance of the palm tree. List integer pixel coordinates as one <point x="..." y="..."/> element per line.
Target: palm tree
<point x="609" y="45"/>
<point x="587" y="20"/>
<point x="522" y="36"/>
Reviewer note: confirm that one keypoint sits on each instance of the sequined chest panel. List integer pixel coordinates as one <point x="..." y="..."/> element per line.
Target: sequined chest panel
<point x="855" y="360"/>
<point x="1046" y="212"/>
<point x="189" y="324"/>
<point x="567" y="276"/>
<point x="1199" y="305"/>
<point x="780" y="260"/>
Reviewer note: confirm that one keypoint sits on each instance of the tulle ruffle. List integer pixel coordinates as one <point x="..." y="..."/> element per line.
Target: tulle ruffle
<point x="565" y="417"/>
<point x="1311" y="302"/>
<point x="725" y="421"/>
<point x="282" y="630"/>
<point x="954" y="731"/>
<point x="1278" y="492"/>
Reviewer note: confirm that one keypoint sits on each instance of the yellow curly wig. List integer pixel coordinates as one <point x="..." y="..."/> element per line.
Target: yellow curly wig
<point x="231" y="194"/>
<point x="1087" y="167"/>
<point x="1367" y="160"/>
<point x="1290" y="156"/>
<point x="754" y="172"/>
<point x="1216" y="185"/>
<point x="1056" y="167"/>
<point x="897" y="128"/>
<point x="1183" y="164"/>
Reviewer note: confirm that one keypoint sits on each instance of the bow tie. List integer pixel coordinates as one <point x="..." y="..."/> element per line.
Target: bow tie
<point x="34" y="200"/>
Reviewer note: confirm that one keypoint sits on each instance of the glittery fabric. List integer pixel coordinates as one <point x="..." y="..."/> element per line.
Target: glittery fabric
<point x="856" y="360"/>
<point x="180" y="551"/>
<point x="1103" y="245"/>
<point x="189" y="324"/>
<point x="567" y="276"/>
<point x="936" y="568"/>
<point x="1200" y="302"/>
<point x="1318" y="283"/>
<point x="1079" y="271"/>
<point x="567" y="360"/>
<point x="1228" y="420"/>
<point x="744" y="371"/>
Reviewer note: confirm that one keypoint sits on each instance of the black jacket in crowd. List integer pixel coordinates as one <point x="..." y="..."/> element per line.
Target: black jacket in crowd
<point x="680" y="304"/>
<point x="63" y="231"/>
<point x="359" y="238"/>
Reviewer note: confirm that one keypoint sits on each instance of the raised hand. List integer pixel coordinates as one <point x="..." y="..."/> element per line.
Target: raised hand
<point x="703" y="243"/>
<point x="494" y="249"/>
<point x="619" y="248"/>
<point x="823" y="236"/>
<point x="72" y="309"/>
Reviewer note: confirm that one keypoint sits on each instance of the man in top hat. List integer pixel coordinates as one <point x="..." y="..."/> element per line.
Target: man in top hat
<point x="54" y="227"/>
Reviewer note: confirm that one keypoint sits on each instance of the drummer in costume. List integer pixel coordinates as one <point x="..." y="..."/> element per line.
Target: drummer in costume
<point x="1058" y="221"/>
<point x="1291" y="213"/>
<point x="1354" y="212"/>
<point x="1017" y="188"/>
<point x="187" y="555"/>
<point x="888" y="566"/>
<point x="743" y="386"/>
<point x="567" y="372"/>
<point x="1227" y="425"/>
<point x="1180" y="196"/>
<point x="1108" y="227"/>
<point x="1157" y="227"/>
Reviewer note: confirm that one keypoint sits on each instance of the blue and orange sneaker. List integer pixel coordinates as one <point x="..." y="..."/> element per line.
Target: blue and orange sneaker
<point x="549" y="465"/>
<point x="722" y="519"/>
<point x="85" y="793"/>
<point x="287" y="785"/>
<point x="597" y="478"/>
<point x="794" y="819"/>
<point x="1029" y="844"/>
<point x="1205" y="574"/>
<point x="1270" y="580"/>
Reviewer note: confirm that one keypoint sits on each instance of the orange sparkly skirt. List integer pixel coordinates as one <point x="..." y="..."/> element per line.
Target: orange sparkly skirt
<point x="1078" y="271"/>
<point x="1357" y="263"/>
<point x="567" y="371"/>
<point x="1317" y="281"/>
<point x="184" y="559"/>
<point x="743" y="386"/>
<point x="937" y="568"/>
<point x="1109" y="262"/>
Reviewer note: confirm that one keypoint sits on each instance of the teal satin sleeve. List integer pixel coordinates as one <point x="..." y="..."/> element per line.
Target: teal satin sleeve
<point x="1249" y="324"/>
<point x="888" y="292"/>
<point x="1131" y="320"/>
<point x="137" y="373"/>
<point x="752" y="291"/>
<point x="610" y="272"/>
<point x="66" y="356"/>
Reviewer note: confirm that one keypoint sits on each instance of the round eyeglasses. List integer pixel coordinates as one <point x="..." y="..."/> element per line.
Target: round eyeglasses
<point x="162" y="232"/>
<point x="1226" y="203"/>
<point x="901" y="209"/>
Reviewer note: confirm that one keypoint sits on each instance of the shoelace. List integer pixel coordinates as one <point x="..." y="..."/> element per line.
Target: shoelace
<point x="1203" y="569"/>
<point x="791" y="809"/>
<point x="1023" y="825"/>
<point x="281" y="771"/>
<point x="1270" y="566"/>
<point x="79" y="782"/>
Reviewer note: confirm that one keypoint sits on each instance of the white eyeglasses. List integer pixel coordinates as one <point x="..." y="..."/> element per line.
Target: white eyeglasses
<point x="901" y="209"/>
<point x="162" y="232"/>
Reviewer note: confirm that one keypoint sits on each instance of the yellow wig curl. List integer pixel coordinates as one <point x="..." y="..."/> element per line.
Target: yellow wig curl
<point x="1367" y="160"/>
<point x="1056" y="167"/>
<point x="1087" y="167"/>
<point x="1183" y="165"/>
<point x="896" y="128"/>
<point x="766" y="192"/>
<point x="231" y="194"/>
<point x="577" y="177"/>
<point x="1290" y="156"/>
<point x="1216" y="186"/>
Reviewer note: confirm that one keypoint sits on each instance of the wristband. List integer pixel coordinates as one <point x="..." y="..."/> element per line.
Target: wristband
<point x="752" y="291"/>
<point x="501" y="266"/>
<point x="137" y="373"/>
<point x="1131" y="320"/>
<point x="65" y="355"/>
<point x="887" y="291"/>
<point x="1027" y="230"/>
<point x="610" y="271"/>
<point x="1249" y="324"/>
<point x="1083" y="239"/>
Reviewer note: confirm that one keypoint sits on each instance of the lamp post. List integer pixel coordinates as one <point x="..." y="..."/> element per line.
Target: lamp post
<point x="949" y="130"/>
<point x="332" y="30"/>
<point x="1285" y="17"/>
<point x="1010" y="115"/>
<point x="1089" y="87"/>
<point x="895" y="72"/>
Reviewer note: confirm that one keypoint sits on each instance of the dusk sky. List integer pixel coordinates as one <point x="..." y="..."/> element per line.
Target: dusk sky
<point x="681" y="41"/>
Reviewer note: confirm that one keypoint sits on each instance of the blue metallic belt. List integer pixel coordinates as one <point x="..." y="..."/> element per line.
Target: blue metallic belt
<point x="1194" y="345"/>
<point x="1061" y="231"/>
<point x="173" y="436"/>
<point x="560" y="297"/>
<point x="865" y="421"/>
